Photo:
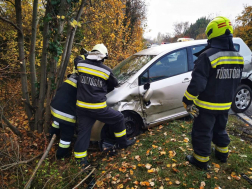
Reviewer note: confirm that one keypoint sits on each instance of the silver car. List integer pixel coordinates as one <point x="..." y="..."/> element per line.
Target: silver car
<point x="153" y="82"/>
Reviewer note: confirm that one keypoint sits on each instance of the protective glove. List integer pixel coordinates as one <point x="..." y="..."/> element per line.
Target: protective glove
<point x="192" y="110"/>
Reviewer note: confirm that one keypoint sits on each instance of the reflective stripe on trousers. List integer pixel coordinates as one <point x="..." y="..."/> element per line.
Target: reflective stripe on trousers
<point x="80" y="154"/>
<point x="55" y="124"/>
<point x="64" y="144"/>
<point x="120" y="134"/>
<point x="201" y="158"/>
<point x="221" y="149"/>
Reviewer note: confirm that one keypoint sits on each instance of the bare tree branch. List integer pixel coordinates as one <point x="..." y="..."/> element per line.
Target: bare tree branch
<point x="13" y="128"/>
<point x="10" y="2"/>
<point x="5" y="167"/>
<point x="11" y="23"/>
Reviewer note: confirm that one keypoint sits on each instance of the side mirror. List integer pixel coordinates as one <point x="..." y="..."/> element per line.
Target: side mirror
<point x="146" y="86"/>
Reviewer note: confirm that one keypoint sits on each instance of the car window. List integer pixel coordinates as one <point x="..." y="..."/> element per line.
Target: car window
<point x="196" y="49"/>
<point x="237" y="47"/>
<point x="169" y="65"/>
<point x="130" y="66"/>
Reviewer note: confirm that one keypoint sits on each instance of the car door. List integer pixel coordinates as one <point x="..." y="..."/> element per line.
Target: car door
<point x="168" y="78"/>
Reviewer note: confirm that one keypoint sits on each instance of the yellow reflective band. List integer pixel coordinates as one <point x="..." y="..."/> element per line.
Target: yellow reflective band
<point x="82" y="56"/>
<point x="221" y="149"/>
<point x="121" y="133"/>
<point x="93" y="72"/>
<point x="55" y="126"/>
<point x="201" y="158"/>
<point x="63" y="116"/>
<point x="189" y="96"/>
<point x="80" y="154"/>
<point x="227" y="60"/>
<point x="212" y="106"/>
<point x="71" y="83"/>
<point x="91" y="105"/>
<point x="64" y="145"/>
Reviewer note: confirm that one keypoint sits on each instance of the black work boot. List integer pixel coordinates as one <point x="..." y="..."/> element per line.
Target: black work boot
<point x="195" y="162"/>
<point x="126" y="144"/>
<point x="82" y="162"/>
<point x="63" y="153"/>
<point x="221" y="156"/>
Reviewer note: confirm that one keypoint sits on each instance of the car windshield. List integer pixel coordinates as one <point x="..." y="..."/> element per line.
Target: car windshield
<point x="130" y="66"/>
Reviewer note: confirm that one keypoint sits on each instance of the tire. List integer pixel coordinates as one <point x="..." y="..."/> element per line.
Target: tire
<point x="242" y="99"/>
<point x="132" y="123"/>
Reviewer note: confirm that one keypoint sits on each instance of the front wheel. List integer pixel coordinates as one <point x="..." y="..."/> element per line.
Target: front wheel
<point x="242" y="99"/>
<point x="132" y="124"/>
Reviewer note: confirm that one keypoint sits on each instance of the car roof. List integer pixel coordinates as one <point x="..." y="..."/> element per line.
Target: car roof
<point x="172" y="46"/>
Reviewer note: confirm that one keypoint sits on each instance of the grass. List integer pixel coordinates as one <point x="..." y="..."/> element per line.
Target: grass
<point x="164" y="148"/>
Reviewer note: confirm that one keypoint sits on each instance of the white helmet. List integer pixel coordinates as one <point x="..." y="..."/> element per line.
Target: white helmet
<point x="102" y="49"/>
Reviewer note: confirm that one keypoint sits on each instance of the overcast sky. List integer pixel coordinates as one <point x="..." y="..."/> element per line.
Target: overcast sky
<point x="162" y="14"/>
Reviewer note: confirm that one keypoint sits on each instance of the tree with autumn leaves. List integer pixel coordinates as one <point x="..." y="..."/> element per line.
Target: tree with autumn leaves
<point x="244" y="28"/>
<point x="39" y="48"/>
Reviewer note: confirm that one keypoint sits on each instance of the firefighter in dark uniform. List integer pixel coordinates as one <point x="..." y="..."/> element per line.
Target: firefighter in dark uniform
<point x="63" y="110"/>
<point x="208" y="98"/>
<point x="95" y="81"/>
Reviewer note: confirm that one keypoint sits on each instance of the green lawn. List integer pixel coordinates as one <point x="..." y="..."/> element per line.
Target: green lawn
<point x="157" y="160"/>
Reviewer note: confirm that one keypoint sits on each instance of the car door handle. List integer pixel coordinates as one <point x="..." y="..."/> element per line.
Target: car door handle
<point x="186" y="80"/>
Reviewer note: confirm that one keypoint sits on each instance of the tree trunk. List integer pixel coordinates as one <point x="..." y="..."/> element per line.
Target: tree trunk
<point x="40" y="111"/>
<point x="25" y="94"/>
<point x="32" y="52"/>
<point x="70" y="44"/>
<point x="53" y="65"/>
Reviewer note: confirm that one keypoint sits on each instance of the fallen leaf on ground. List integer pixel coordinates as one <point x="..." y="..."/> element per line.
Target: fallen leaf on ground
<point x="122" y="169"/>
<point x="186" y="139"/>
<point x="145" y="183"/>
<point x="151" y="170"/>
<point x="148" y="166"/>
<point x="177" y="182"/>
<point x="172" y="153"/>
<point x="175" y="170"/>
<point x="154" y="146"/>
<point x="202" y="184"/>
<point x="147" y="152"/>
<point x="208" y="176"/>
<point x="152" y="183"/>
<point x="136" y="182"/>
<point x="167" y="179"/>
<point x="237" y="178"/>
<point x="138" y="158"/>
<point x="173" y="139"/>
<point x="168" y="165"/>
<point x="229" y="178"/>
<point x="162" y="153"/>
<point x="119" y="186"/>
<point x="131" y="172"/>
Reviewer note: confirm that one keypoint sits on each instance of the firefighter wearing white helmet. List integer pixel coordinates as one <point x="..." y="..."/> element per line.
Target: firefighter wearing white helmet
<point x="208" y="98"/>
<point x="95" y="81"/>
